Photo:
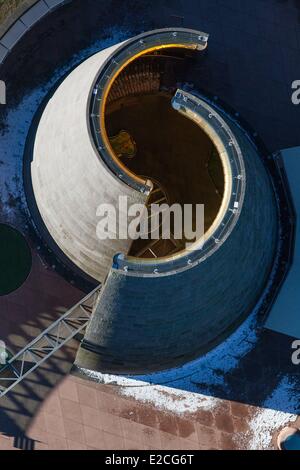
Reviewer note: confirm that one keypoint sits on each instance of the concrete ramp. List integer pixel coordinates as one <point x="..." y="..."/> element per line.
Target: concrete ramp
<point x="285" y="314"/>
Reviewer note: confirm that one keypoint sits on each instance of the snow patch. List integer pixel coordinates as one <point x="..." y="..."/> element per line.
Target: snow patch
<point x="171" y="399"/>
<point x="188" y="388"/>
<point x="192" y="387"/>
<point x="163" y="398"/>
<point x="267" y="421"/>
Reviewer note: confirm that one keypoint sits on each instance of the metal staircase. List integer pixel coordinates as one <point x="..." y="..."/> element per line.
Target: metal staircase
<point x="156" y="248"/>
<point x="47" y="343"/>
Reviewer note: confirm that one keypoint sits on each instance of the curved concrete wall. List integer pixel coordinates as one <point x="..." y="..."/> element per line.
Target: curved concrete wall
<point x="156" y="314"/>
<point x="146" y="323"/>
<point x="69" y="179"/>
<point x="73" y="171"/>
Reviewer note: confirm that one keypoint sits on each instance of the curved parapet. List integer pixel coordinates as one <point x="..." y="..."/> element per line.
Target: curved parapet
<point x="126" y="54"/>
<point x="229" y="150"/>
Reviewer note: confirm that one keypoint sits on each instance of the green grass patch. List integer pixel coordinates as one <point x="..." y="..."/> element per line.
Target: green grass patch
<point x="15" y="259"/>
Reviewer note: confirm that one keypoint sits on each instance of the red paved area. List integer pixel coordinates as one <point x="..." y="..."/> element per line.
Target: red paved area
<point x="79" y="414"/>
<point x="82" y="415"/>
<point x="54" y="410"/>
<point x="43" y="298"/>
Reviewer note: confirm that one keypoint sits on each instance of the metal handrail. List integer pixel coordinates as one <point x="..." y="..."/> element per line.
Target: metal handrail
<point x="202" y="113"/>
<point x="128" y="52"/>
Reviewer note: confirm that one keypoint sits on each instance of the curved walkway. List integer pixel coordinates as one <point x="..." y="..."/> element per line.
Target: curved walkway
<point x="22" y="20"/>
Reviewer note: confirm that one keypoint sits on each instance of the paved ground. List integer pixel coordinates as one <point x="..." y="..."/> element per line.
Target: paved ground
<point x="24" y="314"/>
<point x="106" y="421"/>
<point x="83" y="415"/>
<point x="253" y="57"/>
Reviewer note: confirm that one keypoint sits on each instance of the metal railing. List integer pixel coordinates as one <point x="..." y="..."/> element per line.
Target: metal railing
<point x="47" y="343"/>
<point x="203" y="114"/>
<point x="121" y="58"/>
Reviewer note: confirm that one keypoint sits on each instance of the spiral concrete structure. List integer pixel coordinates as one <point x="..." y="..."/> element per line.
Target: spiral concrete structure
<point x="153" y="313"/>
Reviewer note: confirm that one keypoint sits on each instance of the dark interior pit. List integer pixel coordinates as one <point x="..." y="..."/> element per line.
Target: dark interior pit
<point x="161" y="144"/>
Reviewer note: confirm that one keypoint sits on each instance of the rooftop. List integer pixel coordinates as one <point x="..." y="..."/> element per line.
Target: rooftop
<point x="227" y="400"/>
